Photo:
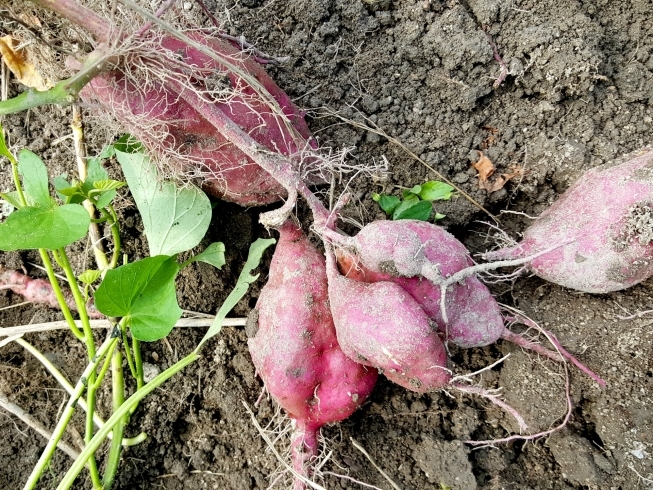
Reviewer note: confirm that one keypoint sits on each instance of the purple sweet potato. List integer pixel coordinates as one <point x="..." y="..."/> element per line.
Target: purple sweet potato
<point x="173" y="128"/>
<point x="602" y="227"/>
<point x="40" y="291"/>
<point x="295" y="349"/>
<point x="474" y="316"/>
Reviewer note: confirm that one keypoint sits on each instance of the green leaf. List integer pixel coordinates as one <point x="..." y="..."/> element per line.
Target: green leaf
<point x="388" y="203"/>
<point x="213" y="254"/>
<point x="413" y="209"/>
<point x="108" y="184"/>
<point x="175" y="219"/>
<point x="439" y="216"/>
<point x="105" y="199"/>
<point x="95" y="171"/>
<point x="435" y="191"/>
<point x="128" y="144"/>
<point x="51" y="228"/>
<point x="414" y="191"/>
<point x="68" y="193"/>
<point x="61" y="183"/>
<point x="35" y="178"/>
<point x="108" y="188"/>
<point x="97" y="174"/>
<point x="4" y="151"/>
<point x="144" y="293"/>
<point x="94" y="164"/>
<point x="89" y="276"/>
<point x="12" y="198"/>
<point x="256" y="250"/>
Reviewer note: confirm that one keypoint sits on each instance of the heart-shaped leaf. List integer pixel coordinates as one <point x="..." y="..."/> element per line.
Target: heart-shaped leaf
<point x="31" y="228"/>
<point x="35" y="178"/>
<point x="213" y="254"/>
<point x="175" y="218"/>
<point x="144" y="293"/>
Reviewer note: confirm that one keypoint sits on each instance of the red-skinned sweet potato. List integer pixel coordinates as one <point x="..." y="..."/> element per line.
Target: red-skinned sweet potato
<point x="379" y="324"/>
<point x="174" y="129"/>
<point x="295" y="349"/>
<point x="602" y="226"/>
<point x="473" y="315"/>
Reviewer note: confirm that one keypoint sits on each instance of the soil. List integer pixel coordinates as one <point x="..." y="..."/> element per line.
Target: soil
<point x="578" y="94"/>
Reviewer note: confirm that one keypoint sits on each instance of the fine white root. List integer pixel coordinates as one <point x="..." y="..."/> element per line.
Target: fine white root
<point x="265" y="435"/>
<point x="369" y="458"/>
<point x="491" y="442"/>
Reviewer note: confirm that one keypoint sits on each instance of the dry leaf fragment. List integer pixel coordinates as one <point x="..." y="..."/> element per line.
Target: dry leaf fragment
<point x="19" y="65"/>
<point x="486" y="169"/>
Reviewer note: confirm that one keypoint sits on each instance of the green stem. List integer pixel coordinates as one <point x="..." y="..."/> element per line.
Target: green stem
<point x="62" y="258"/>
<point x="117" y="417"/>
<point x="118" y="390"/>
<point x="58" y="432"/>
<point x="16" y="177"/>
<point x="103" y="371"/>
<point x="128" y="355"/>
<point x="88" y="435"/>
<point x="65" y="92"/>
<point x="115" y="233"/>
<point x="47" y="263"/>
<point x="138" y="360"/>
<point x="61" y="379"/>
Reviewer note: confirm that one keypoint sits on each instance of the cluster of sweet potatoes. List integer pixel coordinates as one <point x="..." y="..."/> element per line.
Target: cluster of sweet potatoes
<point x="387" y="300"/>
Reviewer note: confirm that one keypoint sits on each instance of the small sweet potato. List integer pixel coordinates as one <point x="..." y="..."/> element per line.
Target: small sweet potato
<point x="379" y="324"/>
<point x="473" y="315"/>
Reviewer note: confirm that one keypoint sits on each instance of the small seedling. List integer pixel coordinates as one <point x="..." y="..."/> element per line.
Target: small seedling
<point x="416" y="203"/>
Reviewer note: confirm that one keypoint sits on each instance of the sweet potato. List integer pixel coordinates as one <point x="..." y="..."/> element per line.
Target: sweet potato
<point x="172" y="128"/>
<point x="40" y="291"/>
<point x="602" y="227"/>
<point x="473" y="317"/>
<point x="379" y="324"/>
<point x="295" y="349"/>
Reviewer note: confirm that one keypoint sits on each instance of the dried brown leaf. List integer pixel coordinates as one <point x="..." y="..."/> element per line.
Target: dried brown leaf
<point x="486" y="169"/>
<point x="18" y="63"/>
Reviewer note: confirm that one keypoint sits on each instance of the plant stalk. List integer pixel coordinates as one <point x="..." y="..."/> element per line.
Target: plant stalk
<point x="116" y="418"/>
<point x="118" y="390"/>
<point x="58" y="432"/>
<point x="47" y="263"/>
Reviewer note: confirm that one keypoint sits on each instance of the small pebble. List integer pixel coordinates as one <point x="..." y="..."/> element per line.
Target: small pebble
<point x="150" y="371"/>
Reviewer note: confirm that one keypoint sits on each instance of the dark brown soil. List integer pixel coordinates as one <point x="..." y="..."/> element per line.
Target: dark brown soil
<point x="579" y="93"/>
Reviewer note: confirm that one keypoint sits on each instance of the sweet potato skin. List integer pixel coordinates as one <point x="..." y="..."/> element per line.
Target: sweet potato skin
<point x="295" y="349"/>
<point x="379" y="324"/>
<point x="169" y="126"/>
<point x="474" y="316"/>
<point x="603" y="226"/>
